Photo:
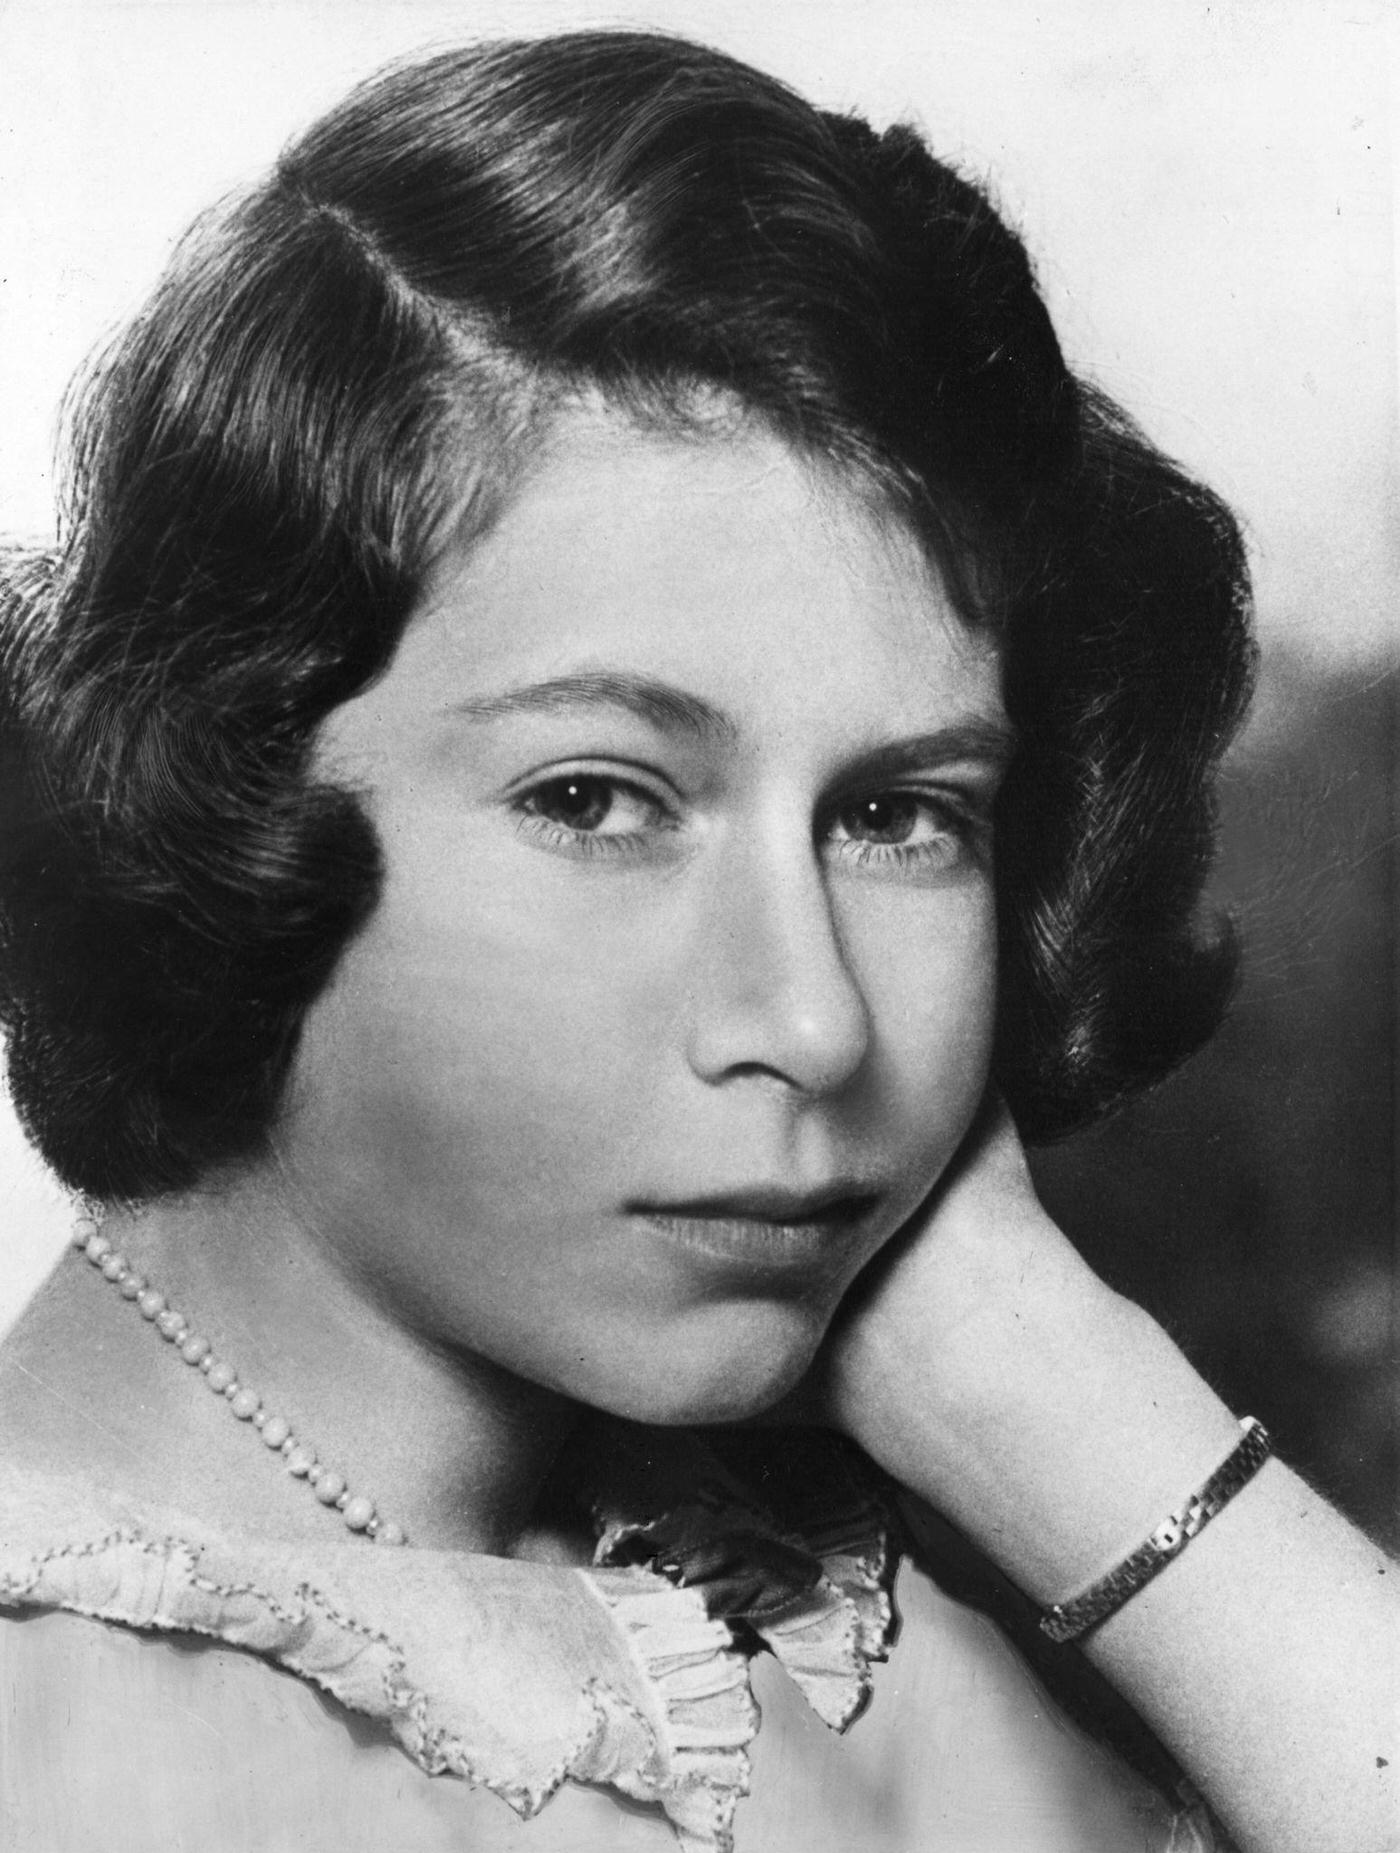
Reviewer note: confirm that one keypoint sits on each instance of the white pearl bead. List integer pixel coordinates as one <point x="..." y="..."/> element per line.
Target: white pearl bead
<point x="357" y="1510"/>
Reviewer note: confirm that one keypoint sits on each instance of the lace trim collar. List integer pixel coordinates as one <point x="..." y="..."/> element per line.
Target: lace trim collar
<point x="633" y="1672"/>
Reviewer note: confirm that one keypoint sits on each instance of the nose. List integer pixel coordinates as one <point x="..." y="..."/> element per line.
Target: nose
<point x="770" y="990"/>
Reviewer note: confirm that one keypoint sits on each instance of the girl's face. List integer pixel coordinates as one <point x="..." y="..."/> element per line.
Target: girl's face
<point x="679" y="995"/>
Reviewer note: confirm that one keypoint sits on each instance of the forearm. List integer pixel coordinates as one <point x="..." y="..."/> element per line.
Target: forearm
<point x="1266" y="1655"/>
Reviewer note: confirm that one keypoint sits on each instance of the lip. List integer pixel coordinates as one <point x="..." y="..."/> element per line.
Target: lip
<point x="767" y="1228"/>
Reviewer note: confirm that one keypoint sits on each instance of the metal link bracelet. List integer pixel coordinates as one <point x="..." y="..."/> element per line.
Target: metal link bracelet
<point x="1067" y="1621"/>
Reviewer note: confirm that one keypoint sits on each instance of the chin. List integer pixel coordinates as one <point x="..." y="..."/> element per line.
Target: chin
<point x="727" y="1367"/>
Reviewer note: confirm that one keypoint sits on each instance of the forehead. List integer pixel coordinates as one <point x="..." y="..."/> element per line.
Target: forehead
<point x="724" y="563"/>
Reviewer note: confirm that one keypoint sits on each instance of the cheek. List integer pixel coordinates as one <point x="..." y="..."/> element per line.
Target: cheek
<point x="478" y="1042"/>
<point x="473" y="1106"/>
<point x="927" y="969"/>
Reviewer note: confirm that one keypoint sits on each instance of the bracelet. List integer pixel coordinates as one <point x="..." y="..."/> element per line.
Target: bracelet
<point x="1068" y="1620"/>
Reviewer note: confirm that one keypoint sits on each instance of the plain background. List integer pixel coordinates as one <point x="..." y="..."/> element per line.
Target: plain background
<point x="1209" y="192"/>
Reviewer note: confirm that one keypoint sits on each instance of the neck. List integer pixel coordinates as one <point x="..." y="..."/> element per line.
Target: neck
<point x="449" y="1446"/>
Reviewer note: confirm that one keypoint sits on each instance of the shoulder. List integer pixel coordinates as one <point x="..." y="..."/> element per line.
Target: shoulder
<point x="157" y="1739"/>
<point x="114" y="1741"/>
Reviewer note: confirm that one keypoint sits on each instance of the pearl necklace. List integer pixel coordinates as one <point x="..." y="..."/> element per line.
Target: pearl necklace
<point x="356" y="1509"/>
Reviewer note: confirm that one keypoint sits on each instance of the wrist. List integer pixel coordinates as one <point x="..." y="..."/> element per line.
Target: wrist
<point x="1052" y="1420"/>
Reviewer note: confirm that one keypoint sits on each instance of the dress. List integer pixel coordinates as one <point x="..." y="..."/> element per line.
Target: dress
<point x="165" y="1686"/>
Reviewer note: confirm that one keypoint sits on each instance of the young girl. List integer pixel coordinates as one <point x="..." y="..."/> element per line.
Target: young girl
<point x="610" y="730"/>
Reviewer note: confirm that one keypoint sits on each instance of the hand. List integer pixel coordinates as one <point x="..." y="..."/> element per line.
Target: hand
<point x="935" y="1329"/>
<point x="982" y="1362"/>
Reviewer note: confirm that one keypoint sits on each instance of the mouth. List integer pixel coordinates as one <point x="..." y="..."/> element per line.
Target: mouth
<point x="767" y="1229"/>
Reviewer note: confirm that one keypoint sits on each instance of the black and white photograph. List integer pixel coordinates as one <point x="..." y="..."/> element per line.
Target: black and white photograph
<point x="698" y="963"/>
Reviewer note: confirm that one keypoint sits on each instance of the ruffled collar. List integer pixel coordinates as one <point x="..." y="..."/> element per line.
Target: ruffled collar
<point x="632" y="1672"/>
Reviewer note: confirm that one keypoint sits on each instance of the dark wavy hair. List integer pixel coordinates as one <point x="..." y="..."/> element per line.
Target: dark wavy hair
<point x="355" y="360"/>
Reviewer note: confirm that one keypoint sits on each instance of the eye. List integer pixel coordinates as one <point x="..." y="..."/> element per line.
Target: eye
<point x="890" y="817"/>
<point x="903" y="828"/>
<point x="580" y="803"/>
<point x="590" y="812"/>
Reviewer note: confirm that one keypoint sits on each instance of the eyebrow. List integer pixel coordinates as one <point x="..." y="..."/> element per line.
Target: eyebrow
<point x="976" y="739"/>
<point x="672" y="710"/>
